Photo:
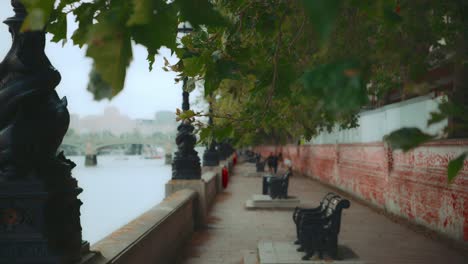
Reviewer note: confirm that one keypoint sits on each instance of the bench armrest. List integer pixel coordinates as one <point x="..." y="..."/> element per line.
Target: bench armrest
<point x="316" y="209"/>
<point x="298" y="211"/>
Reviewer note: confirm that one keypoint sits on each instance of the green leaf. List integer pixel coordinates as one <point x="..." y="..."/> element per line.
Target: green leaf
<point x="407" y="138"/>
<point x="84" y="16"/>
<point x="391" y="16"/>
<point x="223" y="132"/>
<point x="218" y="71"/>
<point x="286" y="76"/>
<point x="205" y="135"/>
<point x="212" y="81"/>
<point x="98" y="87"/>
<point x="109" y="45"/>
<point x="39" y="12"/>
<point x="436" y="117"/>
<point x="199" y="12"/>
<point x="63" y="3"/>
<point x="338" y="85"/>
<point x="142" y="12"/>
<point x="59" y="28"/>
<point x="455" y="166"/>
<point x="323" y="14"/>
<point x="193" y="66"/>
<point x="187" y="114"/>
<point x="160" y="30"/>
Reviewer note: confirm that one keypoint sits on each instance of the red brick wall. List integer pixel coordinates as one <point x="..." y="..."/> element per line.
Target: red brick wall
<point x="412" y="185"/>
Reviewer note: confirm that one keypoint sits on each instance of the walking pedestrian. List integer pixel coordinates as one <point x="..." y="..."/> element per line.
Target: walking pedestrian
<point x="275" y="163"/>
<point x="272" y="163"/>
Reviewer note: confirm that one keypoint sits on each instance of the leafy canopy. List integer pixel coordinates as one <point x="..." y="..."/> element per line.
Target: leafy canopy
<point x="278" y="70"/>
<point x="108" y="27"/>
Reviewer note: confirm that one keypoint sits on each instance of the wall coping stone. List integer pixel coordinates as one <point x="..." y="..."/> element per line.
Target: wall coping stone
<point x="209" y="176"/>
<point x="122" y="240"/>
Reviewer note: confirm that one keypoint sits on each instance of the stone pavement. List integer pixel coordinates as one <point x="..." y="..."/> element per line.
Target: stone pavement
<point x="231" y="229"/>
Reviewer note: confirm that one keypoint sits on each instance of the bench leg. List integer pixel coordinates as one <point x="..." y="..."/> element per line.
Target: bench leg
<point x="299" y="239"/>
<point x="308" y="255"/>
<point x="332" y="247"/>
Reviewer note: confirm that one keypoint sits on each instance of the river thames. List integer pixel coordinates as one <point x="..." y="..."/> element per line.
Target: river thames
<point x="117" y="190"/>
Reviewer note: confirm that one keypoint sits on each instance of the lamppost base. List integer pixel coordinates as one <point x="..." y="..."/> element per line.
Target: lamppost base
<point x="22" y="207"/>
<point x="210" y="158"/>
<point x="32" y="224"/>
<point x="186" y="168"/>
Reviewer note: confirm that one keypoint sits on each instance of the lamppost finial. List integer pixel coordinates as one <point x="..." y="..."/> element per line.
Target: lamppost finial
<point x="20" y="13"/>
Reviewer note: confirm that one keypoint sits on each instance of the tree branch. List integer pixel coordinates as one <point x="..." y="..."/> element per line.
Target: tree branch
<point x="275" y="62"/>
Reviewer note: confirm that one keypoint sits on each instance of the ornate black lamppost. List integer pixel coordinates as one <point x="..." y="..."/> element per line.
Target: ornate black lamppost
<point x="186" y="163"/>
<point x="39" y="208"/>
<point x="211" y="155"/>
<point x="225" y="149"/>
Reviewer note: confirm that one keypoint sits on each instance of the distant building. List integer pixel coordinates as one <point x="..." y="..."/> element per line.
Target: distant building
<point x="115" y="122"/>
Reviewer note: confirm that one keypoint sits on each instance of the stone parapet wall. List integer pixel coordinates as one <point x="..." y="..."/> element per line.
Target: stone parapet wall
<point x="154" y="237"/>
<point x="211" y="187"/>
<point x="412" y="185"/>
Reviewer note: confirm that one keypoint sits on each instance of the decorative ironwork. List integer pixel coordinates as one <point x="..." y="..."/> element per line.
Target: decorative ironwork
<point x="33" y="122"/>
<point x="225" y="150"/>
<point x="278" y="186"/>
<point x="186" y="163"/>
<point x="10" y="217"/>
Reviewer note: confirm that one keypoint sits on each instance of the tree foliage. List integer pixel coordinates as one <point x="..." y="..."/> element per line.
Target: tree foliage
<point x="280" y="70"/>
<point x="108" y="27"/>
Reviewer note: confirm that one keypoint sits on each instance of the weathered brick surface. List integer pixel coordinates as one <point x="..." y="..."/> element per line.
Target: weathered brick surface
<point x="412" y="185"/>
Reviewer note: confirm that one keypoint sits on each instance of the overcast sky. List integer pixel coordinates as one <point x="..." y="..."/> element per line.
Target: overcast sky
<point x="144" y="92"/>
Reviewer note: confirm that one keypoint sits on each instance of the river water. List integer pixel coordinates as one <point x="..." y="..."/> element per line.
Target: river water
<point x="118" y="190"/>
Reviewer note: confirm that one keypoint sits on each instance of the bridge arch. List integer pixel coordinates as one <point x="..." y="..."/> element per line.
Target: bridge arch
<point x="91" y="146"/>
<point x="74" y="146"/>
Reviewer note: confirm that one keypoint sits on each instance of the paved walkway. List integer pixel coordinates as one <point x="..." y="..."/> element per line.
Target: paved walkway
<point x="373" y="237"/>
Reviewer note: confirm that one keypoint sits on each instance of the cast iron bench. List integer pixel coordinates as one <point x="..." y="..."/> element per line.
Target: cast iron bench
<point x="301" y="212"/>
<point x="278" y="186"/>
<point x="318" y="228"/>
<point x="250" y="156"/>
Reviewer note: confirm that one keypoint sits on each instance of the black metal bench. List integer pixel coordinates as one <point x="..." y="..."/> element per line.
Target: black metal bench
<point x="308" y="216"/>
<point x="249" y="156"/>
<point x="318" y="229"/>
<point x="278" y="186"/>
<point x="303" y="216"/>
<point x="302" y="212"/>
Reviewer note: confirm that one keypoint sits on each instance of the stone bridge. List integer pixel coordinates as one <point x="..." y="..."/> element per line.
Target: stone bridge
<point x="90" y="145"/>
